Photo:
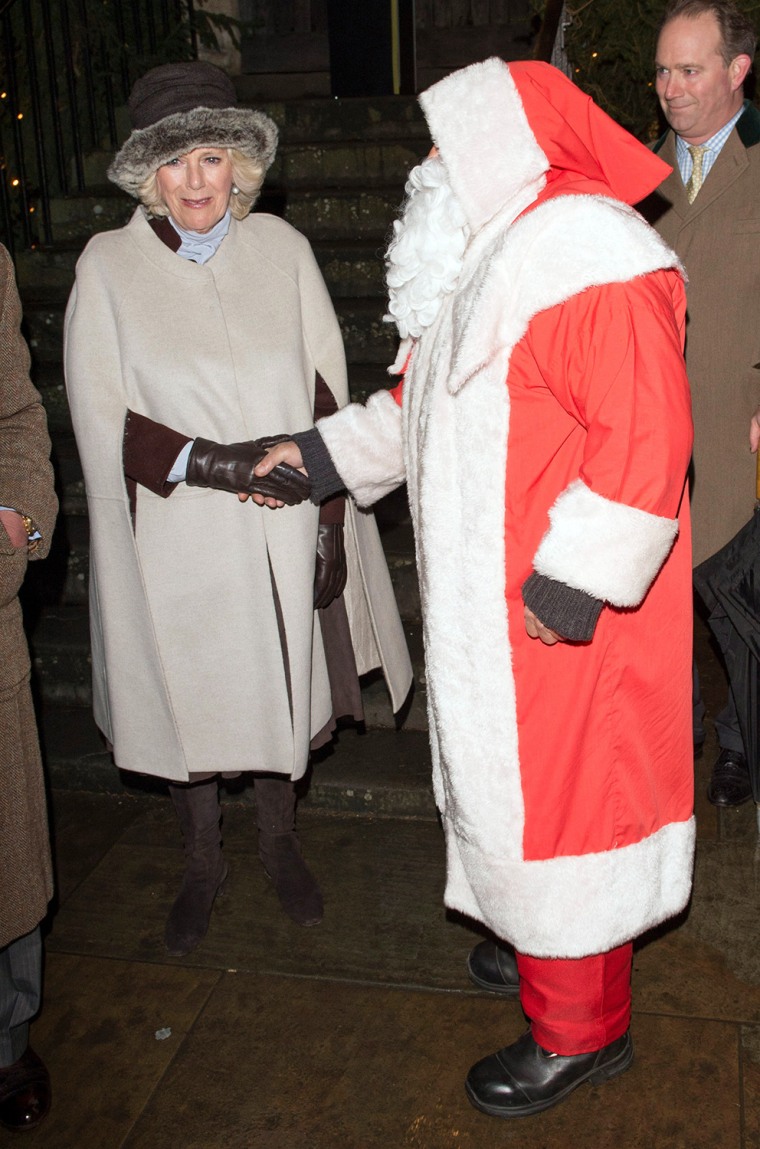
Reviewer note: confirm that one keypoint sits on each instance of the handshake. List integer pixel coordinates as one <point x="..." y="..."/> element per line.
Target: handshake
<point x="231" y="467"/>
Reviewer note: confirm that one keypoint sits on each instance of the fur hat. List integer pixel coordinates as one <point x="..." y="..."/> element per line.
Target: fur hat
<point x="177" y="107"/>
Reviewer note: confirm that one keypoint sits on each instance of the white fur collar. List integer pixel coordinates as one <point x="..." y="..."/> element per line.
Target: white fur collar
<point x="542" y="260"/>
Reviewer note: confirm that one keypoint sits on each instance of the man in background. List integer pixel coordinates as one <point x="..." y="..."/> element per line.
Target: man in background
<point x="708" y="210"/>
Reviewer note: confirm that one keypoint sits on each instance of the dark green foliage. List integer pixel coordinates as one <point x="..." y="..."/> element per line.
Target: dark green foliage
<point x="611" y="45"/>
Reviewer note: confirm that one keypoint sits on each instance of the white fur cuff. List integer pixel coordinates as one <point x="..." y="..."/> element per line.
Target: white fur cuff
<point x="365" y="445"/>
<point x="610" y="550"/>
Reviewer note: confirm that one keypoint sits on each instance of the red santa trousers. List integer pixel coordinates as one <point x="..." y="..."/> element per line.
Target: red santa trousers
<point x="577" y="1005"/>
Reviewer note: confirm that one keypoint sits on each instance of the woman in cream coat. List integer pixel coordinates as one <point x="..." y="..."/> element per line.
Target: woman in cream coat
<point x="189" y="332"/>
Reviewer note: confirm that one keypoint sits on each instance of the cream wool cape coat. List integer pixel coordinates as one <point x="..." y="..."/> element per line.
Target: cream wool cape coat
<point x="621" y="868"/>
<point x="188" y="669"/>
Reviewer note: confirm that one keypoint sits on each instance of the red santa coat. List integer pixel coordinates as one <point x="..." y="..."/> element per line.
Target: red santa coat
<point x="545" y="425"/>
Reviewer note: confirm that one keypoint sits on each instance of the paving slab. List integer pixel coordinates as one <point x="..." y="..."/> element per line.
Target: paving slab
<point x="382" y="881"/>
<point x="97" y="1036"/>
<point x="323" y="1066"/>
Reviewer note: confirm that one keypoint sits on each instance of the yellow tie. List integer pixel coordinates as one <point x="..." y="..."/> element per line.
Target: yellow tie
<point x="697" y="153"/>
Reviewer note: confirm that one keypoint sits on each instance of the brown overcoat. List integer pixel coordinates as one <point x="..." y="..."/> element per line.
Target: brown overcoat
<point x="26" y="484"/>
<point x="718" y="239"/>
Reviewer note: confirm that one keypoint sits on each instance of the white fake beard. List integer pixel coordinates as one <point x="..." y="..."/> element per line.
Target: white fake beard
<point x="424" y="258"/>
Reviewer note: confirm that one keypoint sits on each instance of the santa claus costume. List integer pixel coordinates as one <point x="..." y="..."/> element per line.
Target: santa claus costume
<point x="543" y="427"/>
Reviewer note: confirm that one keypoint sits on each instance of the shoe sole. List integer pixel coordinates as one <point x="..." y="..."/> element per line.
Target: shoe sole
<point x="721" y="804"/>
<point x="504" y="991"/>
<point x="594" y="1077"/>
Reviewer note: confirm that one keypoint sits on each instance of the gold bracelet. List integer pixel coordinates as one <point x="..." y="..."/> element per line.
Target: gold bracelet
<point x="29" y="527"/>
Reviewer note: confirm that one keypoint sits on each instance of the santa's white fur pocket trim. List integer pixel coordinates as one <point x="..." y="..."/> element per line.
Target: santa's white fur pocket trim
<point x="610" y="550"/>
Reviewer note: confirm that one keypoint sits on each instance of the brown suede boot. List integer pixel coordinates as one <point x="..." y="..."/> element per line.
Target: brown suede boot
<point x="280" y="850"/>
<point x="197" y="807"/>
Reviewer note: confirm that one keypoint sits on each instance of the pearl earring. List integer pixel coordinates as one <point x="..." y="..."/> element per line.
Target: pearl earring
<point x="235" y="189"/>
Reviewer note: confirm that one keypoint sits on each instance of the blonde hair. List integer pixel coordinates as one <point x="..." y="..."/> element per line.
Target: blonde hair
<point x="247" y="175"/>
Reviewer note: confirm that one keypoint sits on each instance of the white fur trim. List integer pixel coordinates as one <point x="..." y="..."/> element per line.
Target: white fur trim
<point x="610" y="550"/>
<point x="365" y="446"/>
<point x="571" y="907"/>
<point x="477" y="112"/>
<point x="559" y="249"/>
<point x="405" y="349"/>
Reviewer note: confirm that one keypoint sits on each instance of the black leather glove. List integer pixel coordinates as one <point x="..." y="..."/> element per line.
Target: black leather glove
<point x="268" y="441"/>
<point x="229" y="467"/>
<point x="330" y="572"/>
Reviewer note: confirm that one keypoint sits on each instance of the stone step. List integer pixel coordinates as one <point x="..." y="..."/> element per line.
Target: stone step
<point x="381" y="772"/>
<point x="319" y="212"/>
<point x="48" y="379"/>
<point x="361" y="162"/>
<point x="367" y="338"/>
<point x="348" y="164"/>
<point x="320" y="124"/>
<point x="63" y="578"/>
<point x="336" y="213"/>
<point x="75" y="217"/>
<point x="60" y="644"/>
<point x="47" y="268"/>
<point x="71" y="492"/>
<point x="366" y="378"/>
<point x="351" y="267"/>
<point x="363" y="380"/>
<point x="382" y="118"/>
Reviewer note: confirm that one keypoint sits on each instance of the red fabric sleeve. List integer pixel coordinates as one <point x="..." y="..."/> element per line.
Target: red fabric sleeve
<point x="612" y="357"/>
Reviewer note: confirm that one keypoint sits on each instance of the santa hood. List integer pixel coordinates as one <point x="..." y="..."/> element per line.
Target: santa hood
<point x="532" y="128"/>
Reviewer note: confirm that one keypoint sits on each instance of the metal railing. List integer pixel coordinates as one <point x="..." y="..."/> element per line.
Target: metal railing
<point x="67" y="66"/>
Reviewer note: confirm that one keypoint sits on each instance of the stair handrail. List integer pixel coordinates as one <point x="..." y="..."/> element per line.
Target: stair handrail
<point x="65" y="75"/>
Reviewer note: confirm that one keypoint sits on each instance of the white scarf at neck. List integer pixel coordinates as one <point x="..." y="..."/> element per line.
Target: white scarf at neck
<point x="200" y="246"/>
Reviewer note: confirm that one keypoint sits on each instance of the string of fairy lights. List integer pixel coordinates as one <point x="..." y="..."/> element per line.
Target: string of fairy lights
<point x="13" y="181"/>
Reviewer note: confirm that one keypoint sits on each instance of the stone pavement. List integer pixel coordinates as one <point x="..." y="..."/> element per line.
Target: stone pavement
<point x="358" y="1033"/>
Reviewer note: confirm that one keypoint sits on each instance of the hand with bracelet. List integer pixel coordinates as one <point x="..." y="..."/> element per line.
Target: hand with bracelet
<point x="19" y="528"/>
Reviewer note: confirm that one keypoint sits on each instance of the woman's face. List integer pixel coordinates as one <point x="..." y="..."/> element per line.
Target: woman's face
<point x="196" y="187"/>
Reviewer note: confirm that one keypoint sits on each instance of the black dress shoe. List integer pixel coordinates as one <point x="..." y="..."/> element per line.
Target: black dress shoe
<point x="524" y="1078"/>
<point x="24" y="1092"/>
<point x="494" y="968"/>
<point x="730" y="784"/>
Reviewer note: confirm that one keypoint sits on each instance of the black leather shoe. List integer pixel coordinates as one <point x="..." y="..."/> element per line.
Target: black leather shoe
<point x="24" y="1092"/>
<point x="524" y="1078"/>
<point x="730" y="784"/>
<point x="493" y="968"/>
